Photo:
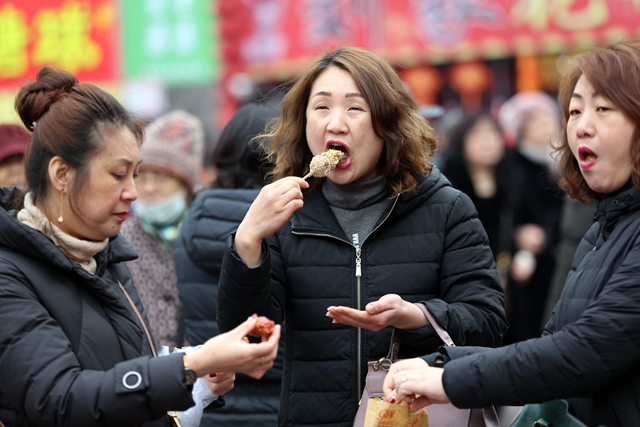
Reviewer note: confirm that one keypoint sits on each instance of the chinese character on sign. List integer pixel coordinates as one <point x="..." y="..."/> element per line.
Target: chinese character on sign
<point x="13" y="42"/>
<point x="63" y="37"/>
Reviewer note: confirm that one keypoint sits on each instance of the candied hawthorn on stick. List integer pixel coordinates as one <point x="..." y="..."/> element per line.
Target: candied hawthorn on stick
<point x="324" y="163"/>
<point x="264" y="327"/>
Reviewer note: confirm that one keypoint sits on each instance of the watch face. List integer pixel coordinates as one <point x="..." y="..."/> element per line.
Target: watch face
<point x="189" y="377"/>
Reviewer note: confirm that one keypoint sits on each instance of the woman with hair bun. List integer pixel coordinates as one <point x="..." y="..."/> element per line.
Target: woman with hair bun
<point x="75" y="345"/>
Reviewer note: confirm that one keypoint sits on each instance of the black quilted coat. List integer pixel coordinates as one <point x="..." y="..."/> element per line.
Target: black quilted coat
<point x="428" y="246"/>
<point x="69" y="339"/>
<point x="590" y="351"/>
<point x="198" y="253"/>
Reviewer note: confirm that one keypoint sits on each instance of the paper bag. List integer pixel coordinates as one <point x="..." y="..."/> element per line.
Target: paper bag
<point x="385" y="414"/>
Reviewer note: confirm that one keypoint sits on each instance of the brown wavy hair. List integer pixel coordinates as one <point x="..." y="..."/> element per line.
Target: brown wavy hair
<point x="409" y="142"/>
<point x="614" y="73"/>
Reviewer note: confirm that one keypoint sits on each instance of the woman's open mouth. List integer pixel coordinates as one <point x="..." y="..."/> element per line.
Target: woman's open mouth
<point x="587" y="157"/>
<point x="339" y="146"/>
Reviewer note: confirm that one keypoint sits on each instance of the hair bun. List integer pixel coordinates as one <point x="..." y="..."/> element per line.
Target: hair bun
<point x="36" y="97"/>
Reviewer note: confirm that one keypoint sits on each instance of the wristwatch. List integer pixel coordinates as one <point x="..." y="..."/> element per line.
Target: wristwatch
<point x="190" y="376"/>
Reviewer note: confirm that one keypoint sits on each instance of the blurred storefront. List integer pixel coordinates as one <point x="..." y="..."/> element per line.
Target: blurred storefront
<point x="208" y="56"/>
<point x="81" y="37"/>
<point x="471" y="52"/>
<point x="152" y="54"/>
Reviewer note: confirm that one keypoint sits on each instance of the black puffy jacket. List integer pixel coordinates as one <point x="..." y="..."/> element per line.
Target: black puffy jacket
<point x="198" y="252"/>
<point x="590" y="350"/>
<point x="428" y="246"/>
<point x="69" y="339"/>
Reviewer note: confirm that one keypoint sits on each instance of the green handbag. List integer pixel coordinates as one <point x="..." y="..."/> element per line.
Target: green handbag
<point x="549" y="414"/>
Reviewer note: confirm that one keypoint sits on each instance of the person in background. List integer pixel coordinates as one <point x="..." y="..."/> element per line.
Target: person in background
<point x="241" y="169"/>
<point x="537" y="202"/>
<point x="13" y="144"/>
<point x="344" y="260"/>
<point x="75" y="345"/>
<point x="171" y="160"/>
<point x="575" y="220"/>
<point x="476" y="163"/>
<point x="588" y="353"/>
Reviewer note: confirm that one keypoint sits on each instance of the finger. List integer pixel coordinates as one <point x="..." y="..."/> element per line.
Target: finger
<point x="247" y="326"/>
<point x="419" y="403"/>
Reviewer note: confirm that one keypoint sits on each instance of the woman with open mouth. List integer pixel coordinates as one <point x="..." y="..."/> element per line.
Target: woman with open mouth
<point x="588" y="354"/>
<point x="344" y="259"/>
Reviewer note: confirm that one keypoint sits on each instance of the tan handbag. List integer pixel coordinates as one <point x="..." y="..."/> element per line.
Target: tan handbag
<point x="440" y="415"/>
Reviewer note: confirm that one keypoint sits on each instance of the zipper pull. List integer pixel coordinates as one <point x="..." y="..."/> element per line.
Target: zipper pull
<point x="358" y="263"/>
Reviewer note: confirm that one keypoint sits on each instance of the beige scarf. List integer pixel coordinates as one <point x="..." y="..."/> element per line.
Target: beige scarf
<point x="80" y="251"/>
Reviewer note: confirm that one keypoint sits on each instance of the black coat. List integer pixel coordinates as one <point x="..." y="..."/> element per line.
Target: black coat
<point x="69" y="338"/>
<point x="537" y="200"/>
<point x="590" y="350"/>
<point x="198" y="252"/>
<point x="494" y="212"/>
<point x="427" y="246"/>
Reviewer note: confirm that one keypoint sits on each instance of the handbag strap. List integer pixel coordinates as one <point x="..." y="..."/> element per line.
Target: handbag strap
<point x="442" y="333"/>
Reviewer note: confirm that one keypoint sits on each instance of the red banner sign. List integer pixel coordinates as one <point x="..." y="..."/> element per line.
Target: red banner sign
<point x="79" y="36"/>
<point x="273" y="38"/>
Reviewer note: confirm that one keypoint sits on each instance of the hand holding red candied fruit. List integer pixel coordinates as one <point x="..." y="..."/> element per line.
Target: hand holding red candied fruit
<point x="264" y="327"/>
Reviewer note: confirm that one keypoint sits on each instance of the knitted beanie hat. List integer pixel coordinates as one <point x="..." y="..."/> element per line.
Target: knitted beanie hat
<point x="174" y="144"/>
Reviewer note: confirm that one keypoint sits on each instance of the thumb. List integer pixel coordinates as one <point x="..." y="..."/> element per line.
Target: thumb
<point x="247" y="326"/>
<point x="371" y="308"/>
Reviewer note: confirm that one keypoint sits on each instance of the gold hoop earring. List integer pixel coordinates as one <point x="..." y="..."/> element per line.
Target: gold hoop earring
<point x="60" y="219"/>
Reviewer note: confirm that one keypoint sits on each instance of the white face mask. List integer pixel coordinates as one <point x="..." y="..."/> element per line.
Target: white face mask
<point x="163" y="212"/>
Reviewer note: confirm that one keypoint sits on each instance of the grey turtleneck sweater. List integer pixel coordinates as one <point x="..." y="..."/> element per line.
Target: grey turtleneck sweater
<point x="357" y="206"/>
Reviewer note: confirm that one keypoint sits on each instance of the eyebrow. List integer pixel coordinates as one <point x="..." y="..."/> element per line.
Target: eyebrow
<point x="127" y="161"/>
<point x="594" y="94"/>
<point x="348" y="95"/>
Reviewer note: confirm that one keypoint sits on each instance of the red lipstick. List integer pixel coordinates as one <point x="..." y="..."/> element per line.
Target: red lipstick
<point x="587" y="158"/>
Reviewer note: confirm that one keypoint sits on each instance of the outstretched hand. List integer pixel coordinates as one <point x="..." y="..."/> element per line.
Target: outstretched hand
<point x="413" y="381"/>
<point x="230" y="352"/>
<point x="389" y="310"/>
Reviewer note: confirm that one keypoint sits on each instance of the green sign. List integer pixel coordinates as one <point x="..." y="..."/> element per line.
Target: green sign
<point x="172" y="41"/>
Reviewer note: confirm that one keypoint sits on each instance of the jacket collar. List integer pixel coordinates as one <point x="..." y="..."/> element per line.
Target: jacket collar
<point x="23" y="239"/>
<point x="316" y="216"/>
<point x="613" y="207"/>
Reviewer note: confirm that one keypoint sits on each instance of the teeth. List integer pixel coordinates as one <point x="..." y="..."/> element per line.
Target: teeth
<point x="589" y="157"/>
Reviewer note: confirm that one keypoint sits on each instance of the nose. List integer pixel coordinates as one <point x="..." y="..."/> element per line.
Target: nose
<point x="130" y="191"/>
<point x="584" y="127"/>
<point x="337" y="123"/>
<point x="147" y="186"/>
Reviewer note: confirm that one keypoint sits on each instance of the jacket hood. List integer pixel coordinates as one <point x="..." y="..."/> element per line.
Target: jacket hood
<point x="311" y="216"/>
<point x="20" y="238"/>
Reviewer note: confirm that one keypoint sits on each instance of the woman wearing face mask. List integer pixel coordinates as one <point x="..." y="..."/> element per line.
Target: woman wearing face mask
<point x="171" y="157"/>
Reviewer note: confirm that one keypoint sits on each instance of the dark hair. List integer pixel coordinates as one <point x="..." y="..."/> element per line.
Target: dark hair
<point x="614" y="73"/>
<point x="409" y="142"/>
<point x="458" y="133"/>
<point x="68" y="119"/>
<point x="237" y="157"/>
